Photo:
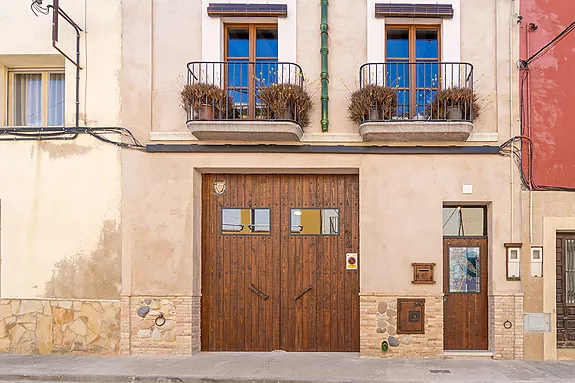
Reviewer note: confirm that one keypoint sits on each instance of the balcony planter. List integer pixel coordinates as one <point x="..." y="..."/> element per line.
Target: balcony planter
<point x="447" y="117"/>
<point x="205" y="112"/>
<point x="205" y="101"/>
<point x="454" y="113"/>
<point x="287" y="102"/>
<point x="372" y="102"/>
<point x="262" y="114"/>
<point x="456" y="103"/>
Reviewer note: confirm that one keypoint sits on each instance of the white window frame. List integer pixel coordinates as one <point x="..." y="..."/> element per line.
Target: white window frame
<point x="450" y="30"/>
<point x="213" y="29"/>
<point x="45" y="73"/>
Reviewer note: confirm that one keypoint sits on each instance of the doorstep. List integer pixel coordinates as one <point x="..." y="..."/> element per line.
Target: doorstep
<point x="467" y="354"/>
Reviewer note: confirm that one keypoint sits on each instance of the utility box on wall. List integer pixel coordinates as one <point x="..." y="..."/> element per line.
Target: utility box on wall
<point x="513" y="262"/>
<point x="536" y="261"/>
<point x="537" y="322"/>
<point x="410" y="316"/>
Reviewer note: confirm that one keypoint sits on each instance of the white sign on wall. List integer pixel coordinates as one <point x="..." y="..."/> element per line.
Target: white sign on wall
<point x="351" y="261"/>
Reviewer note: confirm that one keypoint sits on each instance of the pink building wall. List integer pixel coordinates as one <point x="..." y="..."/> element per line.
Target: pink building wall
<point x="549" y="91"/>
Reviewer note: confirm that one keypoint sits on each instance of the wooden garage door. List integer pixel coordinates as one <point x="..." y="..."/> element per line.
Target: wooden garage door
<point x="274" y="263"/>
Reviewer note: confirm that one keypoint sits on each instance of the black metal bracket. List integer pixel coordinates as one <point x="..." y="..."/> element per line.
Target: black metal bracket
<point x="295" y="298"/>
<point x="258" y="292"/>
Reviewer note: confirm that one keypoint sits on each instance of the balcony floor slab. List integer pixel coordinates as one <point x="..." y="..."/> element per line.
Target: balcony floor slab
<point x="238" y="130"/>
<point x="415" y="131"/>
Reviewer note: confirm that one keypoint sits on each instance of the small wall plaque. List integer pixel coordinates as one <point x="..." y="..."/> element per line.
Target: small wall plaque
<point x="351" y="261"/>
<point x="423" y="273"/>
<point x="410" y="316"/>
<point x="219" y="187"/>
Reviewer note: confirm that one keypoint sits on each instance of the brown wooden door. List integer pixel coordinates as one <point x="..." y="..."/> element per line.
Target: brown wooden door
<point x="320" y="297"/>
<point x="282" y="289"/>
<point x="565" y="273"/>
<point x="465" y="279"/>
<point x="240" y="269"/>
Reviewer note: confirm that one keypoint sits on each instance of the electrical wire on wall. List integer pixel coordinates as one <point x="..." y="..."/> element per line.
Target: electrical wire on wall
<point x="117" y="136"/>
<point x="121" y="137"/>
<point x="508" y="148"/>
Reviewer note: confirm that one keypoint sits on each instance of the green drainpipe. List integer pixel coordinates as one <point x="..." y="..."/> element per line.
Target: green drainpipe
<point x="324" y="72"/>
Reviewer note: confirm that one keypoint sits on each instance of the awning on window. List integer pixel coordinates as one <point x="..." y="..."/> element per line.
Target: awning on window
<point x="427" y="11"/>
<point x="247" y="10"/>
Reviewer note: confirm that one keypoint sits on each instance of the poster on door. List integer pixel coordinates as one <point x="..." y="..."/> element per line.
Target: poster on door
<point x="351" y="261"/>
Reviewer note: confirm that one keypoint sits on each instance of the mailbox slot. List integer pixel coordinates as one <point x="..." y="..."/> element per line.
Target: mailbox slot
<point x="423" y="273"/>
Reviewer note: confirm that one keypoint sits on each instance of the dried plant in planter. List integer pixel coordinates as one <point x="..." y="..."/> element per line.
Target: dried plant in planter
<point x="206" y="101"/>
<point x="372" y="102"/>
<point x="454" y="104"/>
<point x="286" y="102"/>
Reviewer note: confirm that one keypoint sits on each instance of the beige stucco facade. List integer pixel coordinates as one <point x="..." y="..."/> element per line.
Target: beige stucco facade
<point x="546" y="215"/>
<point x="137" y="215"/>
<point x="61" y="199"/>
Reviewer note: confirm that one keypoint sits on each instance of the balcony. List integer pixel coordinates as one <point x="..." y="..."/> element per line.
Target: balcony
<point x="246" y="101"/>
<point x="415" y="101"/>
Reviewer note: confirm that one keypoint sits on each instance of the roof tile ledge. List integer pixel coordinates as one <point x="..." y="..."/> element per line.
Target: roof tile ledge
<point x="234" y="130"/>
<point x="416" y="131"/>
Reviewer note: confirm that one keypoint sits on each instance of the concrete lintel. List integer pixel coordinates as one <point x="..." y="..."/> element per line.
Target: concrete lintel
<point x="232" y="130"/>
<point x="416" y="131"/>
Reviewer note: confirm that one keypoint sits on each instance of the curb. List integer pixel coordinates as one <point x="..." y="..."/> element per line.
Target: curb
<point x="158" y="379"/>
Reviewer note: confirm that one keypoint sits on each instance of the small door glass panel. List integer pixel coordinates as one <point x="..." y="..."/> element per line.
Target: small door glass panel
<point x="315" y="221"/>
<point x="459" y="221"/>
<point x="245" y="221"/>
<point x="464" y="272"/>
<point x="569" y="250"/>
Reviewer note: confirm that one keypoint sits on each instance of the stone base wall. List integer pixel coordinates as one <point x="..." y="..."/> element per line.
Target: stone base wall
<point x="196" y="321"/>
<point x="54" y="326"/>
<point x="378" y="321"/>
<point x="506" y="343"/>
<point x="157" y="325"/>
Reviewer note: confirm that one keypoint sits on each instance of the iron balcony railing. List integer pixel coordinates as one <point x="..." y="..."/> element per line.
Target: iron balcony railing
<point x="231" y="90"/>
<point x="418" y="91"/>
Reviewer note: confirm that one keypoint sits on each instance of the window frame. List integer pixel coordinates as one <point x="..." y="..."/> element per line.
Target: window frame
<point x="412" y="38"/>
<point x="45" y="73"/>
<point x="252" y="233"/>
<point x="252" y="30"/>
<point x="485" y="223"/>
<point x="293" y="234"/>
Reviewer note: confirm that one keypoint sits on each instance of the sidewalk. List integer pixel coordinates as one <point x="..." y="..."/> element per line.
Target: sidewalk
<point x="275" y="367"/>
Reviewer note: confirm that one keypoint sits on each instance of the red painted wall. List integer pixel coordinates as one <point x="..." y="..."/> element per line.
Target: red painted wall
<point x="549" y="93"/>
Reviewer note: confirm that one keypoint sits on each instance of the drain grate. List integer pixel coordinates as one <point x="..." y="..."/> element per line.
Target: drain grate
<point x="440" y="371"/>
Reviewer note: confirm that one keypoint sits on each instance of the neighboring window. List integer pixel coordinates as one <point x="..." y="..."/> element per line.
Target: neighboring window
<point x="315" y="221"/>
<point x="463" y="221"/>
<point x="252" y="55"/>
<point x="245" y="221"/>
<point x="417" y="82"/>
<point x="36" y="98"/>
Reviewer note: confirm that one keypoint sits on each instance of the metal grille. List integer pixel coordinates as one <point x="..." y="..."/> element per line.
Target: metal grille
<point x="421" y="90"/>
<point x="570" y="270"/>
<point x="243" y="81"/>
